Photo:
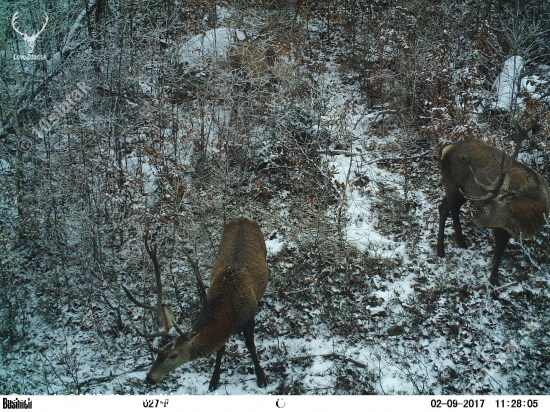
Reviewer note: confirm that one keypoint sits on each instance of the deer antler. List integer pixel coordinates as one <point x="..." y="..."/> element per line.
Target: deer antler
<point x="165" y="316"/>
<point x="266" y="27"/>
<point x="202" y="290"/>
<point x="494" y="187"/>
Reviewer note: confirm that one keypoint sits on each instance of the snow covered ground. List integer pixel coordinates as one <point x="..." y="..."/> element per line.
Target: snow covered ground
<point x="385" y="317"/>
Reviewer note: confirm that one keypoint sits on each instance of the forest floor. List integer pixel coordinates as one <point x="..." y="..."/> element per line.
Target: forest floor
<point x="358" y="301"/>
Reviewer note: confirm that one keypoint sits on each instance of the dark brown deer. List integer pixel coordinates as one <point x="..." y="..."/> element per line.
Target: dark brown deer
<point x="513" y="201"/>
<point x="238" y="281"/>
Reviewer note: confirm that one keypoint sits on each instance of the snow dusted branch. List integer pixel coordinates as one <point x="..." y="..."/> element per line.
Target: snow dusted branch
<point x="71" y="44"/>
<point x="73" y="31"/>
<point x="30" y="90"/>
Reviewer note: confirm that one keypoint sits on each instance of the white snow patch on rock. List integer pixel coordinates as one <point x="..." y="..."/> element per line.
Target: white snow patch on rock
<point x="212" y="45"/>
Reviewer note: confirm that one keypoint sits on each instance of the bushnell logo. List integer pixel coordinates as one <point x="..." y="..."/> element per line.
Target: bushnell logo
<point x="30" y="40"/>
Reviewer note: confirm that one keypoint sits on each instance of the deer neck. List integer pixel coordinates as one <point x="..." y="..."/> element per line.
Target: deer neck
<point x="212" y="334"/>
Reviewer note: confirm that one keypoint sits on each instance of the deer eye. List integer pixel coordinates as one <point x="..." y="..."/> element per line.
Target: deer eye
<point x="174" y="356"/>
<point x="486" y="211"/>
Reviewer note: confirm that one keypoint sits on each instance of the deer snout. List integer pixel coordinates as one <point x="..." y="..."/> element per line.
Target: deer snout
<point x="149" y="380"/>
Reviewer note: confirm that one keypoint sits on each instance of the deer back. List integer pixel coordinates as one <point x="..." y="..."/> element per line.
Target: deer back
<point x="240" y="275"/>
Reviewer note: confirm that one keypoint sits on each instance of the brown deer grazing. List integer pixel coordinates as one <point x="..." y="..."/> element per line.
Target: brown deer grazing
<point x="513" y="202"/>
<point x="238" y="281"/>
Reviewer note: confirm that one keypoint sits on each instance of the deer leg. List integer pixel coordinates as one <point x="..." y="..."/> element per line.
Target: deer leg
<point x="443" y="214"/>
<point x="455" y="213"/>
<point x="216" y="375"/>
<point x="501" y="238"/>
<point x="248" y="332"/>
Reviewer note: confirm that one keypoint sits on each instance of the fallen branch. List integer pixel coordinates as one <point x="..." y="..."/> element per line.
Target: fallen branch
<point x="348" y="153"/>
<point x="401" y="159"/>
<point x="110" y="377"/>
<point x="505" y="287"/>
<point x="333" y="355"/>
<point x="344" y="358"/>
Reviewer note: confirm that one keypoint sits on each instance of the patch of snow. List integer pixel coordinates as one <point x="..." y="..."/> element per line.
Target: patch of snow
<point x="223" y="13"/>
<point x="361" y="229"/>
<point x="320" y="365"/>
<point x="274" y="246"/>
<point x="531" y="83"/>
<point x="506" y="83"/>
<point x="212" y="45"/>
<point x="4" y="165"/>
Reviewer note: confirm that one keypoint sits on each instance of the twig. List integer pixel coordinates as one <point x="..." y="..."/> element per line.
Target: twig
<point x="401" y="159"/>
<point x="505" y="287"/>
<point x="383" y="159"/>
<point x="96" y="380"/>
<point x="333" y="355"/>
<point x="345" y="358"/>
<point x="54" y="371"/>
<point x="110" y="377"/>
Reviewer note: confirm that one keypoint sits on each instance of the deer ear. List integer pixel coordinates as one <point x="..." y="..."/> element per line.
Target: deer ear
<point x="506" y="196"/>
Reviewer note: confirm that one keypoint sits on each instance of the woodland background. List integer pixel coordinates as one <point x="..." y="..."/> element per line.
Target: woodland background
<point x="328" y="136"/>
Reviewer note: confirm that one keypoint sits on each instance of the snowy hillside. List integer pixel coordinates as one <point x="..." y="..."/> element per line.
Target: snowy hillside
<point x="326" y="127"/>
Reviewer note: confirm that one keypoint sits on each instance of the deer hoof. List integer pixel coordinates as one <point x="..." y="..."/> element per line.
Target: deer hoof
<point x="261" y="380"/>
<point x="213" y="383"/>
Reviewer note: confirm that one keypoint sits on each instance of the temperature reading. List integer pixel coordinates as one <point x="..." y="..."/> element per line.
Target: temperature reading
<point x="154" y="403"/>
